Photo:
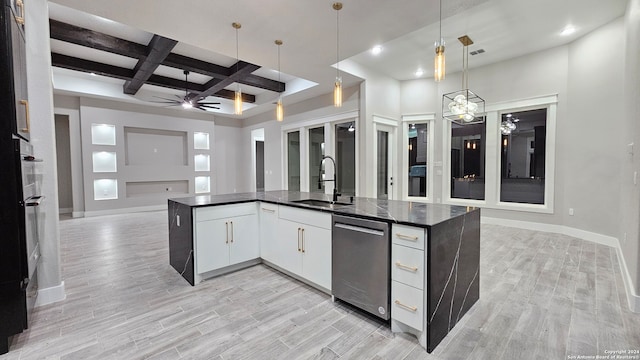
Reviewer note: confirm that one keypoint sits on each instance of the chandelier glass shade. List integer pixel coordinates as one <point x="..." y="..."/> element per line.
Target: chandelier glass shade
<point x="279" y="106"/>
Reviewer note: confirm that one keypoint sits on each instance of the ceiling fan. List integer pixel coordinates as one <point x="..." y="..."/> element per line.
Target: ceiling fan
<point x="189" y="101"/>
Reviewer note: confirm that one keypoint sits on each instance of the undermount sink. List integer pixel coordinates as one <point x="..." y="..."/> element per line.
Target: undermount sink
<point x="324" y="203"/>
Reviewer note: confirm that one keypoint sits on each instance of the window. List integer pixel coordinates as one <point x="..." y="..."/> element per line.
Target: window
<point x="512" y="166"/>
<point x="293" y="160"/>
<point x="345" y="151"/>
<point x="417" y="137"/>
<point x="468" y="152"/>
<point x="522" y="160"/>
<point x="316" y="152"/>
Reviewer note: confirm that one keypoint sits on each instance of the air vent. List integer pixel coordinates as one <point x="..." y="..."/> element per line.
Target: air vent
<point x="476" y="52"/>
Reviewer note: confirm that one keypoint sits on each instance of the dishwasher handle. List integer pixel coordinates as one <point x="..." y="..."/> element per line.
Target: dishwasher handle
<point x="359" y="229"/>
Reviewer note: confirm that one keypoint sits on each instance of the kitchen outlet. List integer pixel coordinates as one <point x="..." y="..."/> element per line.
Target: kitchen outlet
<point x="571" y="211"/>
<point x="178" y="220"/>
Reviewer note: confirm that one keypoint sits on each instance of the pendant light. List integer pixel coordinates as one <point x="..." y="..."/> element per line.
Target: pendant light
<point x="463" y="107"/>
<point x="279" y="107"/>
<point x="237" y="99"/>
<point x="337" y="86"/>
<point x="439" y="61"/>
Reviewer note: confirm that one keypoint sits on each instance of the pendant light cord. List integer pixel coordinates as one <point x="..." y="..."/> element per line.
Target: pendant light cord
<point x="440" y="42"/>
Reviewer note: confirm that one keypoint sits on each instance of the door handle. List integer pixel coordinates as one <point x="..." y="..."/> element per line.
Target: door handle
<point x="26" y="110"/>
<point x="299" y="247"/>
<point x="303" y="240"/>
<point x="231" y="231"/>
<point x="226" y="225"/>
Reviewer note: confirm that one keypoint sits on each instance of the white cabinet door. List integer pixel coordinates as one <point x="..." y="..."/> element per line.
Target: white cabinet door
<point x="289" y="252"/>
<point x="243" y="239"/>
<point x="269" y="232"/>
<point x="212" y="246"/>
<point x="316" y="256"/>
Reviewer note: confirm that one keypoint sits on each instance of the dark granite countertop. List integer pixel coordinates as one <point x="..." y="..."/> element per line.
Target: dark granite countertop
<point x="394" y="211"/>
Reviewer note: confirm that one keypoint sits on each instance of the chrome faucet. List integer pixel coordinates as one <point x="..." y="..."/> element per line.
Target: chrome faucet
<point x="335" y="172"/>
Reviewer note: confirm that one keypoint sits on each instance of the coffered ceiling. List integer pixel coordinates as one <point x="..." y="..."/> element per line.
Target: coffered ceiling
<point x="406" y="30"/>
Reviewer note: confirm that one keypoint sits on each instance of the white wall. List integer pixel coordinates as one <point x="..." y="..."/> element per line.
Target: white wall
<point x="43" y="140"/>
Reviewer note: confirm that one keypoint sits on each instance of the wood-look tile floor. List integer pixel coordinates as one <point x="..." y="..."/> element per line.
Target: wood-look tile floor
<point x="543" y="296"/>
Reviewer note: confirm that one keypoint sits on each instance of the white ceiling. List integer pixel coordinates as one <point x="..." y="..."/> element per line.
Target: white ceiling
<point x="406" y="29"/>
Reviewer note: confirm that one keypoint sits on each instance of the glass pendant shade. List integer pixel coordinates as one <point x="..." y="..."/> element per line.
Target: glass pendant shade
<point x="279" y="110"/>
<point x="337" y="93"/>
<point x="439" y="62"/>
<point x="237" y="102"/>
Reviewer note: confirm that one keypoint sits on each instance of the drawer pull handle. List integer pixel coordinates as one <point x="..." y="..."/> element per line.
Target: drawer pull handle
<point x="406" y="267"/>
<point x="268" y="210"/>
<point x="410" y="308"/>
<point x="407" y="237"/>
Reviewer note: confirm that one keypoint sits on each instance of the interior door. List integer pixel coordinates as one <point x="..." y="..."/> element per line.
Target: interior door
<point x="384" y="154"/>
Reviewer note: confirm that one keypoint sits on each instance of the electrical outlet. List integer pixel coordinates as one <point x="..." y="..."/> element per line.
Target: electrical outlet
<point x="570" y="211"/>
<point x="178" y="220"/>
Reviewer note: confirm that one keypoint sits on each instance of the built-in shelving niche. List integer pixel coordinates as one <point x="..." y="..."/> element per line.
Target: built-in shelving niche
<point x="202" y="184"/>
<point x="103" y="134"/>
<point x="104" y="161"/>
<point x="155" y="188"/>
<point x="153" y="147"/>
<point x="105" y="189"/>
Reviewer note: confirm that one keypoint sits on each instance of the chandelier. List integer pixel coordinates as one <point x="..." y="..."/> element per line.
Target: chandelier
<point x="463" y="107"/>
<point x="508" y="125"/>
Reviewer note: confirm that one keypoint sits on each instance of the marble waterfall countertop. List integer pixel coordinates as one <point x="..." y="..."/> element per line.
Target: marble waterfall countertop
<point x="401" y="212"/>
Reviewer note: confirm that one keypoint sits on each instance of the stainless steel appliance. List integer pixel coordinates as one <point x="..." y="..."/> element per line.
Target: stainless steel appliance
<point x="361" y="255"/>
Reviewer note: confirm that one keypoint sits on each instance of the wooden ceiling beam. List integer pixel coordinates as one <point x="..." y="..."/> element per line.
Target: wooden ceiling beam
<point x="73" y="63"/>
<point x="157" y="50"/>
<point x="241" y="68"/>
<point x="96" y="40"/>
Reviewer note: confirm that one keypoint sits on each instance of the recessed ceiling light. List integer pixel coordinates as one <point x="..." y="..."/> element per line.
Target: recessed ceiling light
<point x="568" y="30"/>
<point x="376" y="50"/>
<point x="419" y="72"/>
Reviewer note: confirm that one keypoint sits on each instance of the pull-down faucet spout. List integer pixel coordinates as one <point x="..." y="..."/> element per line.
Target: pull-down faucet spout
<point x="335" y="172"/>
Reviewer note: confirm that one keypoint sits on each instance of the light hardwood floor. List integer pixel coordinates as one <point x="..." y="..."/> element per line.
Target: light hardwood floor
<point x="543" y="296"/>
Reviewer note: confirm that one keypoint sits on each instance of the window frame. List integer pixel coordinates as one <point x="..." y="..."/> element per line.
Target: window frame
<point x="493" y="158"/>
<point x="428" y="119"/>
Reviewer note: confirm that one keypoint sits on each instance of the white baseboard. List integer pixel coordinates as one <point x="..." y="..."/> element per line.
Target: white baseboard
<point x="632" y="298"/>
<point x="77" y="214"/>
<point x="125" y="210"/>
<point x="65" y="210"/>
<point x="51" y="295"/>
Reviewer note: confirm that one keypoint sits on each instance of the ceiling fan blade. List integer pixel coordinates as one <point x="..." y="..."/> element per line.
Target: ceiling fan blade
<point x="209" y="103"/>
<point x="208" y="106"/>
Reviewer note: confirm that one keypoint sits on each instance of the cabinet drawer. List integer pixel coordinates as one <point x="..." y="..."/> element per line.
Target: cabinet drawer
<point x="408" y="236"/>
<point x="225" y="211"/>
<point x="407" y="265"/>
<point x="407" y="305"/>
<point x="310" y="217"/>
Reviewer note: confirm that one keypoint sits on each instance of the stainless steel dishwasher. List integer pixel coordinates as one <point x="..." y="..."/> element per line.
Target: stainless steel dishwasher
<point x="360" y="273"/>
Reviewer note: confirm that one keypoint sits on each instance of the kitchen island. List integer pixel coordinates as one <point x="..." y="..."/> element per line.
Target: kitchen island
<point x="435" y="248"/>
